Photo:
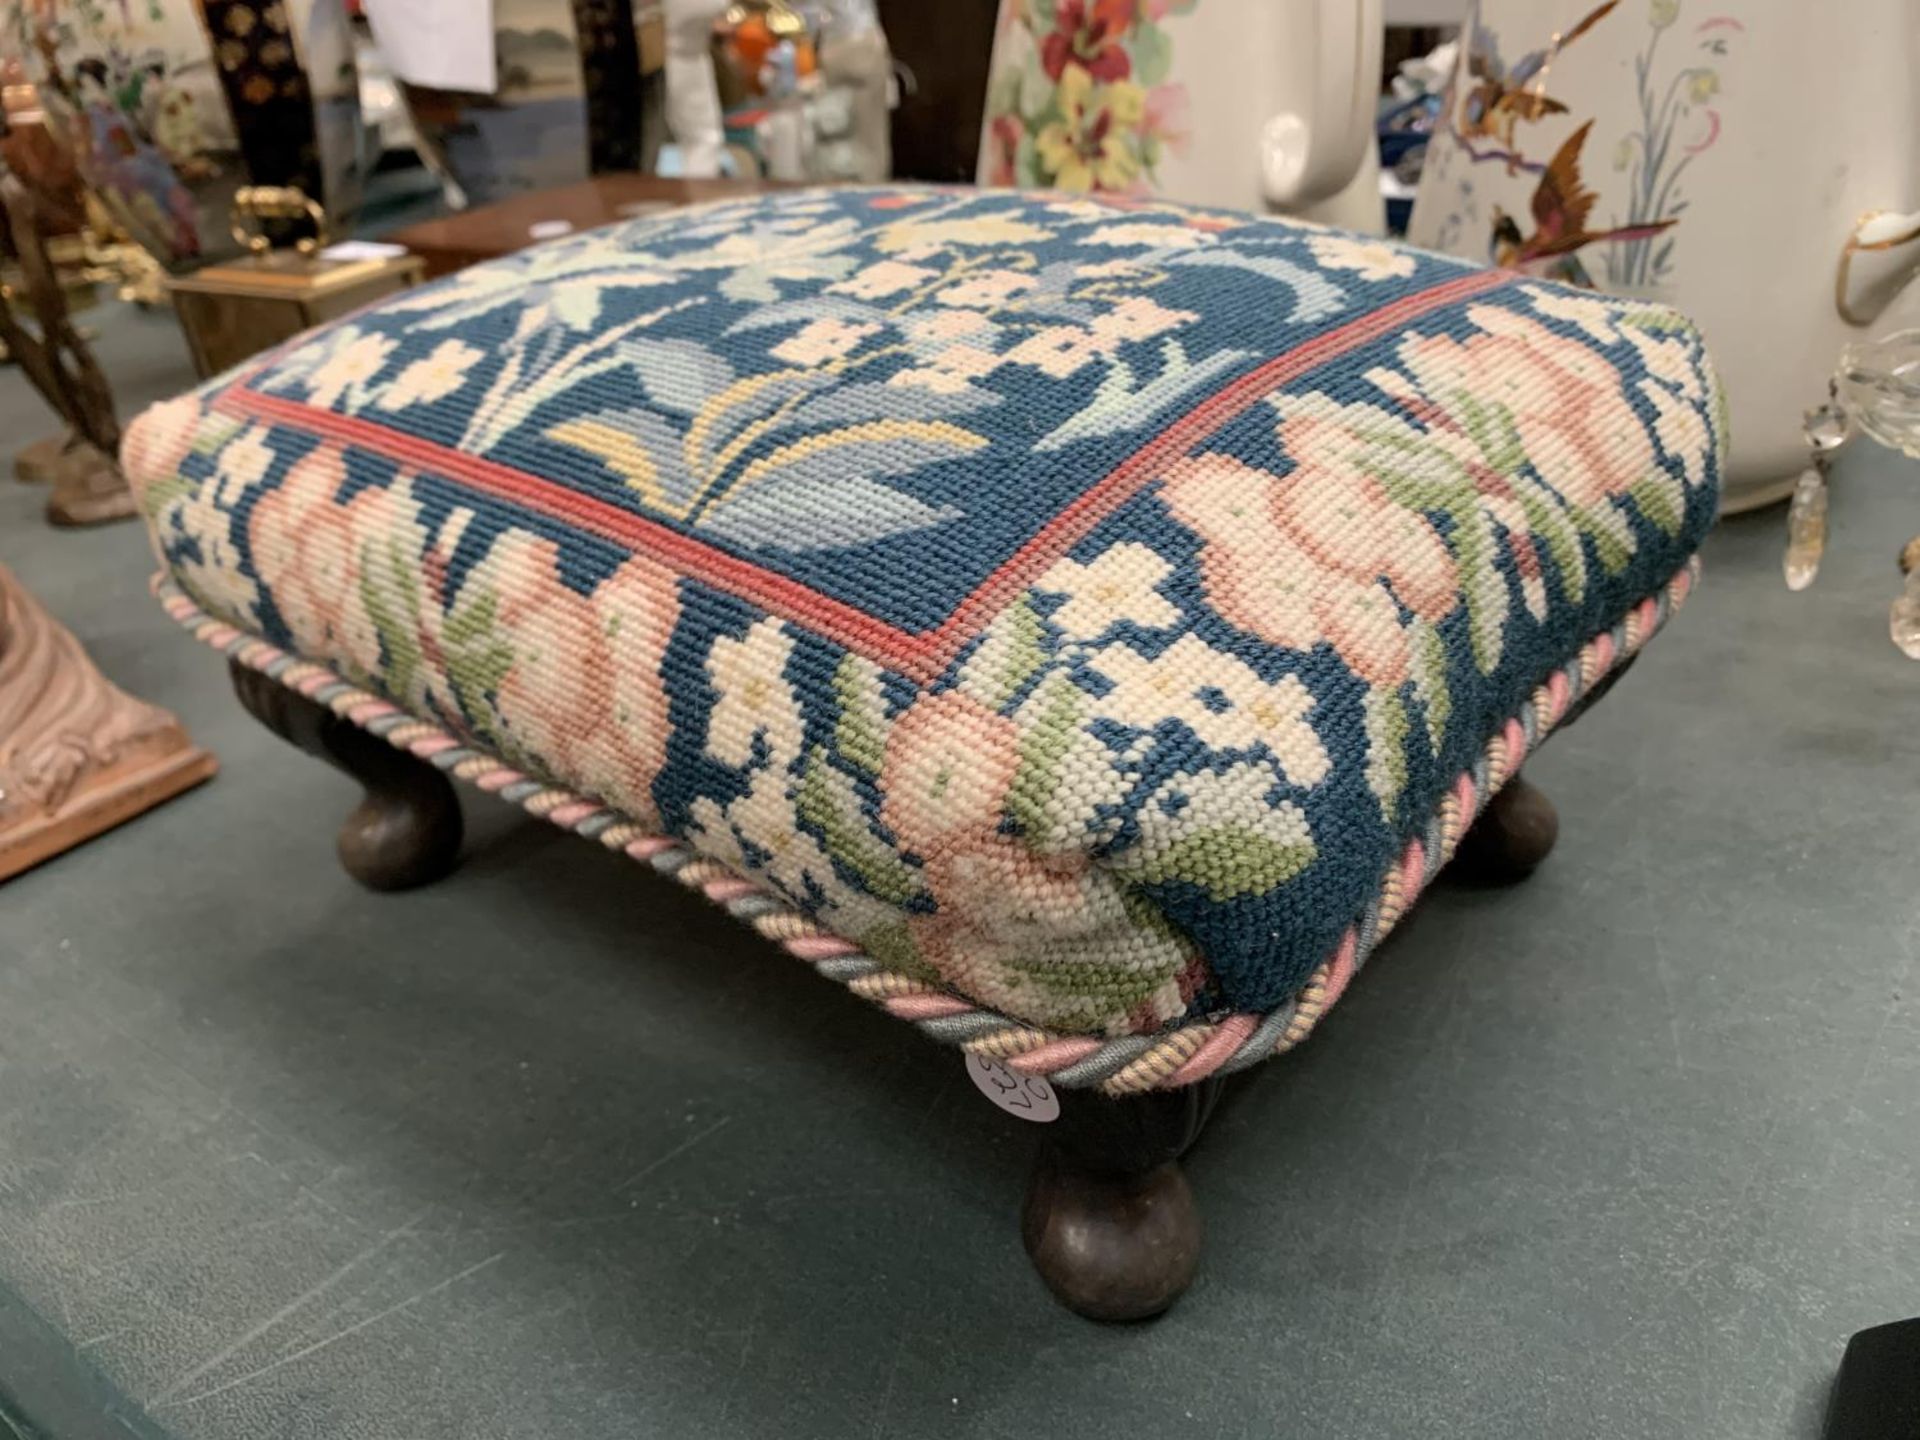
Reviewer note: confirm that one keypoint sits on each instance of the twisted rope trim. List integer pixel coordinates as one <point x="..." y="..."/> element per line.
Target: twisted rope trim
<point x="1123" y="1065"/>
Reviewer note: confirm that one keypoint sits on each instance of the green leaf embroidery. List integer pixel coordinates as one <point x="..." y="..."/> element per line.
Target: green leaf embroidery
<point x="1430" y="680"/>
<point x="392" y="597"/>
<point x="1041" y="750"/>
<point x="1088" y="995"/>
<point x="1562" y="537"/>
<point x="1658" y="322"/>
<point x="1653" y="494"/>
<point x="1614" y="553"/>
<point x="214" y="433"/>
<point x="892" y="945"/>
<point x="827" y="803"/>
<point x="1490" y="426"/>
<point x="1387" y="727"/>
<point x="1484" y="588"/>
<point x="1024" y="651"/>
<point x="860" y="732"/>
<point x="159" y="494"/>
<point x="1227" y="862"/>
<point x="478" y="658"/>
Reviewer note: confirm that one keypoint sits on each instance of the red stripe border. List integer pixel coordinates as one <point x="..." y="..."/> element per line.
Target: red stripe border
<point x="921" y="656"/>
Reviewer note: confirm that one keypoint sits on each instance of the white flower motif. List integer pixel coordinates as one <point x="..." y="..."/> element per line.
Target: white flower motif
<point x="433" y="378"/>
<point x="986" y="289"/>
<point x="215" y="576"/>
<point x="1595" y="317"/>
<point x="348" y="369"/>
<point x="1120" y="584"/>
<point x="1222" y="830"/>
<point x="1061" y="350"/>
<point x="823" y="340"/>
<point x="881" y="279"/>
<point x="1370" y="259"/>
<point x="1111" y="270"/>
<point x="1157" y="236"/>
<point x="753" y="698"/>
<point x="571" y="277"/>
<point x="1219" y="698"/>
<point x="950" y="371"/>
<point x="244" y="461"/>
<point x="1079" y="209"/>
<point x="767" y="255"/>
<point x="766" y="818"/>
<point x="1238" y="798"/>
<point x="1138" y="318"/>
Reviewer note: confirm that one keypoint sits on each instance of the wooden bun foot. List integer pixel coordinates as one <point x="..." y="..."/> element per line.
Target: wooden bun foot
<point x="1512" y="836"/>
<point x="406" y="830"/>
<point x="1110" y="1221"/>
<point x="1112" y="1247"/>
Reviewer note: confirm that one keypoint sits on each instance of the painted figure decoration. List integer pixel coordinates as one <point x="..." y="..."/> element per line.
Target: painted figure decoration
<point x="1501" y="95"/>
<point x="150" y="98"/>
<point x="1652" y="148"/>
<point x="1088" y="104"/>
<point x="1111" y="96"/>
<point x="1561" y="206"/>
<point x="1494" y="100"/>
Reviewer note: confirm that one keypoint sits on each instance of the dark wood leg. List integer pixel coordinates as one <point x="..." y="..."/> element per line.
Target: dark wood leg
<point x="1512" y="836"/>
<point x="406" y="830"/>
<point x="1519" y="826"/>
<point x="1110" y="1221"/>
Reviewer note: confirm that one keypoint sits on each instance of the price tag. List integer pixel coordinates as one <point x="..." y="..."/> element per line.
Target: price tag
<point x="1027" y="1096"/>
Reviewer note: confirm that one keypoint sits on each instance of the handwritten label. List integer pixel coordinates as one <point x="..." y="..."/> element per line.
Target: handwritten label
<point x="1027" y="1096"/>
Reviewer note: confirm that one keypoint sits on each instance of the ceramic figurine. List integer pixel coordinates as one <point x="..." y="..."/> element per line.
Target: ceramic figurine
<point x="1107" y="95"/>
<point x="1741" y="161"/>
<point x="693" y="97"/>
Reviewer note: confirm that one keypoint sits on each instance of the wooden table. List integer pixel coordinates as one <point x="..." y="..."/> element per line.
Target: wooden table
<point x="237" y="309"/>
<point x="457" y="241"/>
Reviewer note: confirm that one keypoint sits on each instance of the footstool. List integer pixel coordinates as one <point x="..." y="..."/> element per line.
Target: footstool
<point x="1080" y="626"/>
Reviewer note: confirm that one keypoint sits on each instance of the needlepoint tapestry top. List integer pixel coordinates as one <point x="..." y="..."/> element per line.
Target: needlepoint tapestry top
<point x="1080" y="602"/>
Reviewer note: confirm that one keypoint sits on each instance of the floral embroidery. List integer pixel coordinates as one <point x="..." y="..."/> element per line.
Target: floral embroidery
<point x="1216" y="696"/>
<point x="439" y="375"/>
<point x="1222" y="831"/>
<point x="1075" y="604"/>
<point x="1372" y="259"/>
<point x="1121" y="585"/>
<point x="751" y="706"/>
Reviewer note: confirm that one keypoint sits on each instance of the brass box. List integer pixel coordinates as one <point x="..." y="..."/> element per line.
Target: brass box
<point x="234" y="311"/>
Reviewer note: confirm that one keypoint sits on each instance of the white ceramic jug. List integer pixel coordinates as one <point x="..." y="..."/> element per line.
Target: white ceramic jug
<point x="1252" y="104"/>
<point x="1754" y="162"/>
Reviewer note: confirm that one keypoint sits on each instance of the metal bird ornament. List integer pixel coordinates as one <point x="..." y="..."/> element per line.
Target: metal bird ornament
<point x="1561" y="204"/>
<point x="1502" y="97"/>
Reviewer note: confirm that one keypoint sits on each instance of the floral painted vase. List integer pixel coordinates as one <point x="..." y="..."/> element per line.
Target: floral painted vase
<point x="169" y="106"/>
<point x="1110" y="95"/>
<point x="1719" y="157"/>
